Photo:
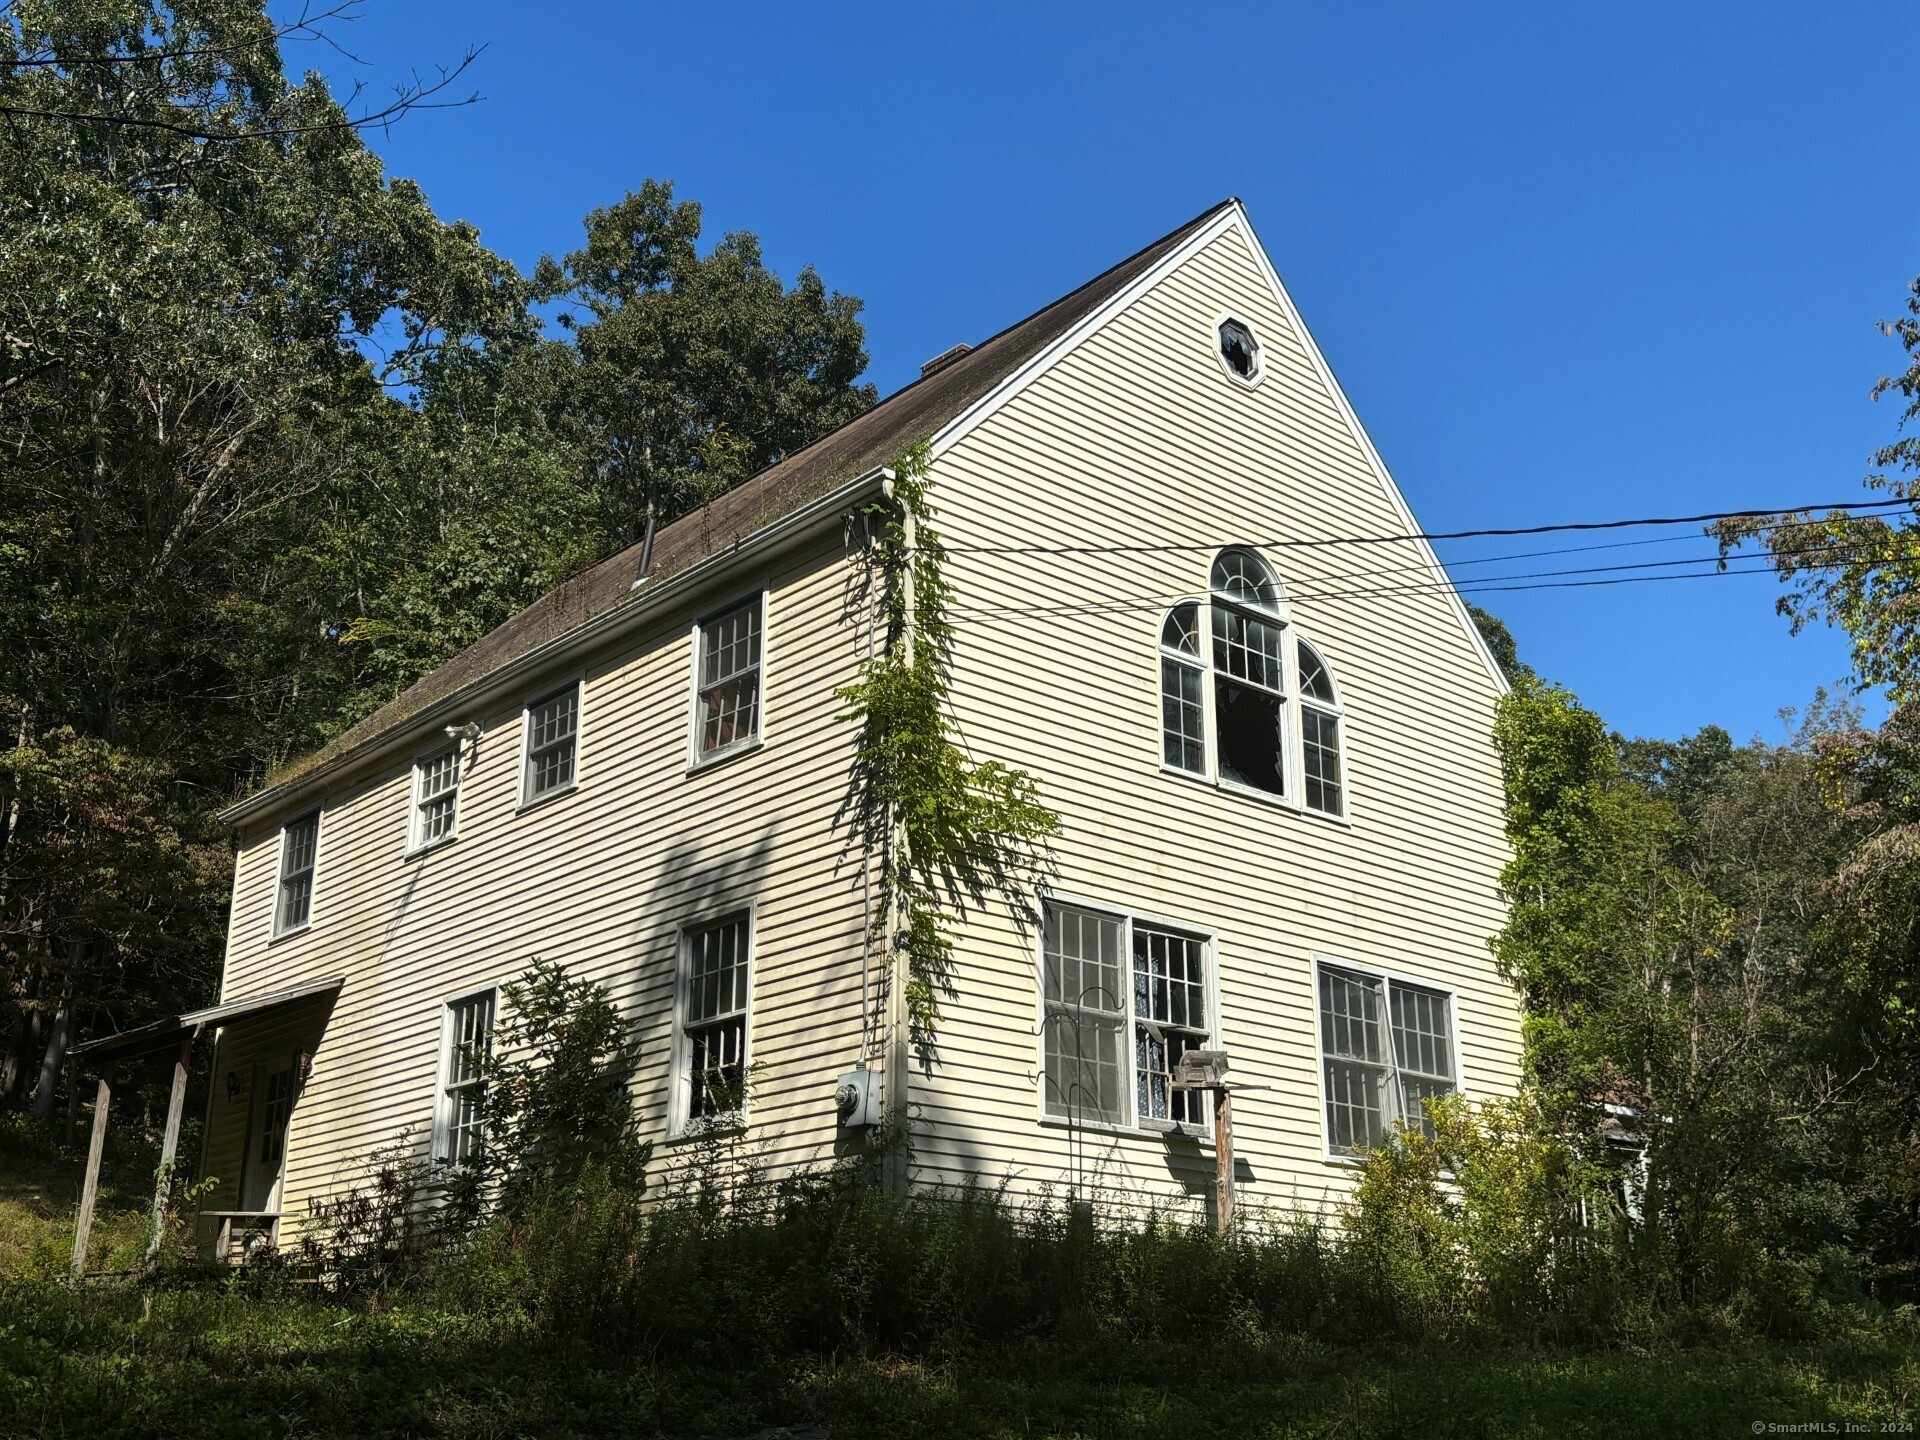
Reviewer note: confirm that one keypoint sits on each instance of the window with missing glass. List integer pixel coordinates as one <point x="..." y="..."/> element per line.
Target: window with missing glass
<point x="466" y="1044"/>
<point x="1239" y="351"/>
<point x="1249" y="679"/>
<point x="299" y="853"/>
<point x="715" y="997"/>
<point x="1123" y="998"/>
<point x="727" y="692"/>
<point x="436" y="799"/>
<point x="1243" y="703"/>
<point x="1387" y="1047"/>
<point x="551" y="763"/>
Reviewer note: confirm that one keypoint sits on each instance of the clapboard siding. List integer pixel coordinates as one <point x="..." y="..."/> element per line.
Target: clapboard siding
<point x="1137" y="437"/>
<point x="600" y="879"/>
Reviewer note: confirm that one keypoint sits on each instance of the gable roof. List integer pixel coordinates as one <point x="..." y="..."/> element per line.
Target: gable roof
<point x="871" y="440"/>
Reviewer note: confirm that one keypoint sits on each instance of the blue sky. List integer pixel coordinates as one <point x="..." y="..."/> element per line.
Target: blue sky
<point x="1571" y="261"/>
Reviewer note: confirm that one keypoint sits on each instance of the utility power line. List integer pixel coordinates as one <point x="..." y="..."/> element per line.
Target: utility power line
<point x="1506" y="531"/>
<point x="1535" y="580"/>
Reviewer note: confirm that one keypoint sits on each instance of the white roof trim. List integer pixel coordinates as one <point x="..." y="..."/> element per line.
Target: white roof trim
<point x="1232" y="216"/>
<point x="1378" y="466"/>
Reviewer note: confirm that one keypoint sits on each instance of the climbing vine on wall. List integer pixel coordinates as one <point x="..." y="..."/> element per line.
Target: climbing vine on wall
<point x="952" y="833"/>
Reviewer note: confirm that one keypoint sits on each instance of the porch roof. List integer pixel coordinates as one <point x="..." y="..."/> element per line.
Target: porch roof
<point x="158" y="1034"/>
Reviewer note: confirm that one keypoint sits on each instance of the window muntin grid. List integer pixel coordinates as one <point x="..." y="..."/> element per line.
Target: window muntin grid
<point x="714" y="1001"/>
<point x="553" y="739"/>
<point x="1325" y="788"/>
<point x="436" y="798"/>
<point x="299" y="850"/>
<point x="1322" y="769"/>
<point x="466" y="1043"/>
<point x="1249" y="699"/>
<point x="729" y="707"/>
<point x="1085" y="1010"/>
<point x="1170" y="1018"/>
<point x="1241" y="577"/>
<point x="1422" y="1050"/>
<point x="1374" y="1078"/>
<point x="1094" y="1012"/>
<point x="1183" y="719"/>
<point x="274" y="1117"/>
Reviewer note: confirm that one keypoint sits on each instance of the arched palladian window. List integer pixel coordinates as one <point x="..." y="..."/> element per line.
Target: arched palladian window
<point x="1249" y="672"/>
<point x="1321" y="770"/>
<point x="1239" y="695"/>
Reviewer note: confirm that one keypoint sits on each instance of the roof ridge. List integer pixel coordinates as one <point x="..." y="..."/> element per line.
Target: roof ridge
<point x="872" y="438"/>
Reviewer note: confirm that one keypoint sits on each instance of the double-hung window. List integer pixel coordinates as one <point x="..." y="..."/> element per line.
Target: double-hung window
<point x="299" y="851"/>
<point x="1123" y="998"/>
<point x="1386" y="1048"/>
<point x="553" y="744"/>
<point x="436" y="799"/>
<point x="715" y="992"/>
<point x="727" y="689"/>
<point x="466" y="1043"/>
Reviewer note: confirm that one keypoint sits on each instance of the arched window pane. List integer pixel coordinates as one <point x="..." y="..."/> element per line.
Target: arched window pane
<point x="1243" y="577"/>
<point x="1315" y="682"/>
<point x="1182" y="630"/>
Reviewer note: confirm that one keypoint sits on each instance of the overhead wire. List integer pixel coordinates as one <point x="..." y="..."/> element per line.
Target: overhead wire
<point x="1423" y="535"/>
<point x="1530" y="580"/>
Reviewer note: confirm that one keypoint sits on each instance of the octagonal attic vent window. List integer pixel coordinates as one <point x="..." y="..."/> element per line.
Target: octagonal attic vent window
<point x="1239" y="351"/>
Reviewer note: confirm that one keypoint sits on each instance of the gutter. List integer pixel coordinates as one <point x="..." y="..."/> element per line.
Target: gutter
<point x="647" y="601"/>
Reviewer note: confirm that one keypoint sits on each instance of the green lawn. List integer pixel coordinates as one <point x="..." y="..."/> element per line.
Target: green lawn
<point x="120" y="1362"/>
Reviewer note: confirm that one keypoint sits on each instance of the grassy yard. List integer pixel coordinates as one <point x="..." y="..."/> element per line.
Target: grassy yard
<point x="261" y="1358"/>
<point x="108" y="1363"/>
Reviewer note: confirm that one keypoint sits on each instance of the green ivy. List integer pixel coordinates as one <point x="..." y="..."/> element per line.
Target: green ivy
<point x="952" y="833"/>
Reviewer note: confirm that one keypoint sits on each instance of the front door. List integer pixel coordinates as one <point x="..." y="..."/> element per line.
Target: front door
<point x="267" y="1139"/>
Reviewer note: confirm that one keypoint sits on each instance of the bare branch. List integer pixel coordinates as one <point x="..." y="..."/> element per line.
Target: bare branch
<point x="406" y="101"/>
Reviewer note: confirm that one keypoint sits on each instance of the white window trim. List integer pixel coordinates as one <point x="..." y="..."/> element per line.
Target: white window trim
<point x="1387" y="978"/>
<point x="1245" y="382"/>
<point x="415" y="845"/>
<point x="437" y="1161"/>
<point x="680" y="1125"/>
<point x="1294" y="738"/>
<point x="274" y="930"/>
<point x="576" y="682"/>
<point x="1135" y="1124"/>
<point x="1338" y="710"/>
<point x="696" y="760"/>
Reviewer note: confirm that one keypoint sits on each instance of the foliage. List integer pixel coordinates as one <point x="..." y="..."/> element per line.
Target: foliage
<point x="279" y="441"/>
<point x="1500" y="644"/>
<point x="951" y="832"/>
<point x="688" y="372"/>
<point x="372" y="1236"/>
<point x="558" y="1104"/>
<point x="1706" y="944"/>
<point x="1860" y="572"/>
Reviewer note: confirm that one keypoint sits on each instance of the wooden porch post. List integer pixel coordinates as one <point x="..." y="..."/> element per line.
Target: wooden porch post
<point x="170" y="1142"/>
<point x="90" y="1189"/>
